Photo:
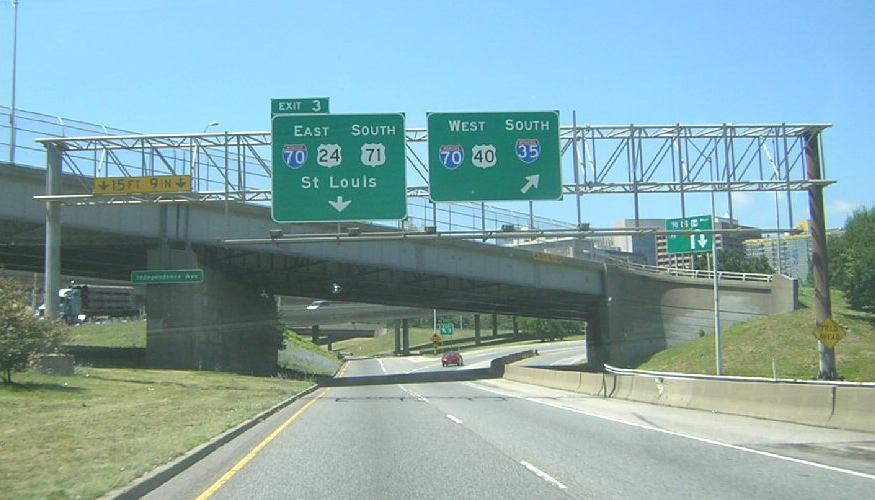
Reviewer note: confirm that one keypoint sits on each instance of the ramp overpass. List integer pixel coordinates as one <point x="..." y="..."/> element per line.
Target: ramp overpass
<point x="631" y="313"/>
<point x="229" y="321"/>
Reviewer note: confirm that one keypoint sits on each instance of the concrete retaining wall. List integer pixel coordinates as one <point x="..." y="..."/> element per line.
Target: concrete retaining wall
<point x="644" y="313"/>
<point x="843" y="407"/>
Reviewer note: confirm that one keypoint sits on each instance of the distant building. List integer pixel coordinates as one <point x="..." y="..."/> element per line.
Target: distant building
<point x="644" y="245"/>
<point x="788" y="255"/>
<point x="592" y="248"/>
<point x="654" y="248"/>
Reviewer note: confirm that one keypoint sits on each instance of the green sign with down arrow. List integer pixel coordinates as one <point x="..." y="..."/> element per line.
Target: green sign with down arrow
<point x="338" y="168"/>
<point x="690" y="241"/>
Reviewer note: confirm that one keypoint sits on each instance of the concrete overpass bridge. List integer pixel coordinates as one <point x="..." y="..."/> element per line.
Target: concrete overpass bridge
<point x="229" y="321"/>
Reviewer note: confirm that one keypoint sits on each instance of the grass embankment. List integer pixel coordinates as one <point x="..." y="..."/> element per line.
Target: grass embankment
<point x="133" y="334"/>
<point x="420" y="339"/>
<point x="749" y="348"/>
<point x="81" y="436"/>
<point x="306" y="357"/>
<point x="128" y="334"/>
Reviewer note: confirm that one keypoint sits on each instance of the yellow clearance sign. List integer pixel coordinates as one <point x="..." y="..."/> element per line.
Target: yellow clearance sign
<point x="140" y="185"/>
<point x="830" y="333"/>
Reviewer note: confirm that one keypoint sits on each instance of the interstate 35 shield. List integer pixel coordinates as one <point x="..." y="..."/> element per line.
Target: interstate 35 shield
<point x="528" y="150"/>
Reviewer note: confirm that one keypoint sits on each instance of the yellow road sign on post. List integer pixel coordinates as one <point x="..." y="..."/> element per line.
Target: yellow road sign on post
<point x="830" y="333"/>
<point x="141" y="185"/>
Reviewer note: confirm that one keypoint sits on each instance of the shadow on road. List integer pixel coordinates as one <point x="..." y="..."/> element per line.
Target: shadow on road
<point x="495" y="370"/>
<point x="414" y="378"/>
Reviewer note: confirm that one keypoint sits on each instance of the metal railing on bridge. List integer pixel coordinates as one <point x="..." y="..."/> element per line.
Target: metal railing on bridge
<point x="634" y="159"/>
<point x="694" y="273"/>
<point x="224" y="166"/>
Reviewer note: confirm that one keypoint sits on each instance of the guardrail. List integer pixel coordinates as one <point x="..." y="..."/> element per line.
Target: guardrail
<point x="701" y="376"/>
<point x="694" y="273"/>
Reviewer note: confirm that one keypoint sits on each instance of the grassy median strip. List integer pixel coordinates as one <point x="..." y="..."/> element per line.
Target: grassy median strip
<point x="82" y="436"/>
<point x="788" y="339"/>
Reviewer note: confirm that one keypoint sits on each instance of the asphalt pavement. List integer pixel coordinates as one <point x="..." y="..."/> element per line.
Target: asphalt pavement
<point x="501" y="439"/>
<point x="553" y="354"/>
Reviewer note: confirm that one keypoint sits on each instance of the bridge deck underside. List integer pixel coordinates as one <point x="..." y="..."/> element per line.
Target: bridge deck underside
<point x="106" y="255"/>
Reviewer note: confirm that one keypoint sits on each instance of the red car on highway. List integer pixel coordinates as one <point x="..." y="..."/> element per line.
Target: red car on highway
<point x="452" y="358"/>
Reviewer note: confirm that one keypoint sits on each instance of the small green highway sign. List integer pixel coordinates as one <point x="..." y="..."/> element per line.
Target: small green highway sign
<point x="691" y="242"/>
<point x="298" y="105"/>
<point x="167" y="276"/>
<point x="446" y="329"/>
<point x="495" y="156"/>
<point x="338" y="167"/>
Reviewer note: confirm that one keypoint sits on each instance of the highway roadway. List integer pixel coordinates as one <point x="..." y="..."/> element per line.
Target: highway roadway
<point x="501" y="439"/>
<point x="550" y="354"/>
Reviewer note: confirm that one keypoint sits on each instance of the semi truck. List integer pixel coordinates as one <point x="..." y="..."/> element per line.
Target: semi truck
<point x="81" y="302"/>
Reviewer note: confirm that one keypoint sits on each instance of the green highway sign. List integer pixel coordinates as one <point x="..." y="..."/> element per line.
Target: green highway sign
<point x="338" y="168"/>
<point x="446" y="329"/>
<point x="167" y="276"/>
<point x="691" y="242"/>
<point x="298" y="105"/>
<point x="496" y="156"/>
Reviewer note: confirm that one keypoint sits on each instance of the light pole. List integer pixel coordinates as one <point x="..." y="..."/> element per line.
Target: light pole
<point x="12" y="108"/>
<point x="211" y="124"/>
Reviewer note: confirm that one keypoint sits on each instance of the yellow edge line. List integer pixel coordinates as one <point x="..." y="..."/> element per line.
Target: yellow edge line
<point x="255" y="451"/>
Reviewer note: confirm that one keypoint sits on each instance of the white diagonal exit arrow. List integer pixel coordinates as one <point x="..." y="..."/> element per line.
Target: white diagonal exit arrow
<point x="533" y="181"/>
<point x="339" y="204"/>
<point x="703" y="240"/>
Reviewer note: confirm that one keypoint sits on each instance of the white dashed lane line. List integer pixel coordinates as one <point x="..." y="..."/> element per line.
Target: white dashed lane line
<point x="454" y="419"/>
<point x="543" y="475"/>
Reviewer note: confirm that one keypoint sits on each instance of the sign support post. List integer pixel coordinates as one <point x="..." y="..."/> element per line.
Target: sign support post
<point x="718" y="343"/>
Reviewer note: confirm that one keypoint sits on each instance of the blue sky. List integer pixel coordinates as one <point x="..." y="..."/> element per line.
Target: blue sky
<point x="173" y="66"/>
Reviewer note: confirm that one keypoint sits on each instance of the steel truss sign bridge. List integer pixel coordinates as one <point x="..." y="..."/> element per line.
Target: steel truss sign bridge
<point x="635" y="160"/>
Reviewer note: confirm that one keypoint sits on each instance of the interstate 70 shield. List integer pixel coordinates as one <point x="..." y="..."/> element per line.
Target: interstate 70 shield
<point x="295" y="155"/>
<point x="452" y="156"/>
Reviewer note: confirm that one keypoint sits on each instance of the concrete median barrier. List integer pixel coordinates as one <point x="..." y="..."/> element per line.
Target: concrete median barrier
<point x="643" y="389"/>
<point x="854" y="408"/>
<point x="592" y="384"/>
<point x="799" y="403"/>
<point x="826" y="405"/>
<point x="555" y="379"/>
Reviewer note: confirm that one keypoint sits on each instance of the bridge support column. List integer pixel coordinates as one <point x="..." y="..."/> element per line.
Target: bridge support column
<point x="494" y="325"/>
<point x="598" y="339"/>
<point x="397" y="336"/>
<point x="219" y="324"/>
<point x="476" y="329"/>
<point x="53" y="231"/>
<point x="405" y="336"/>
